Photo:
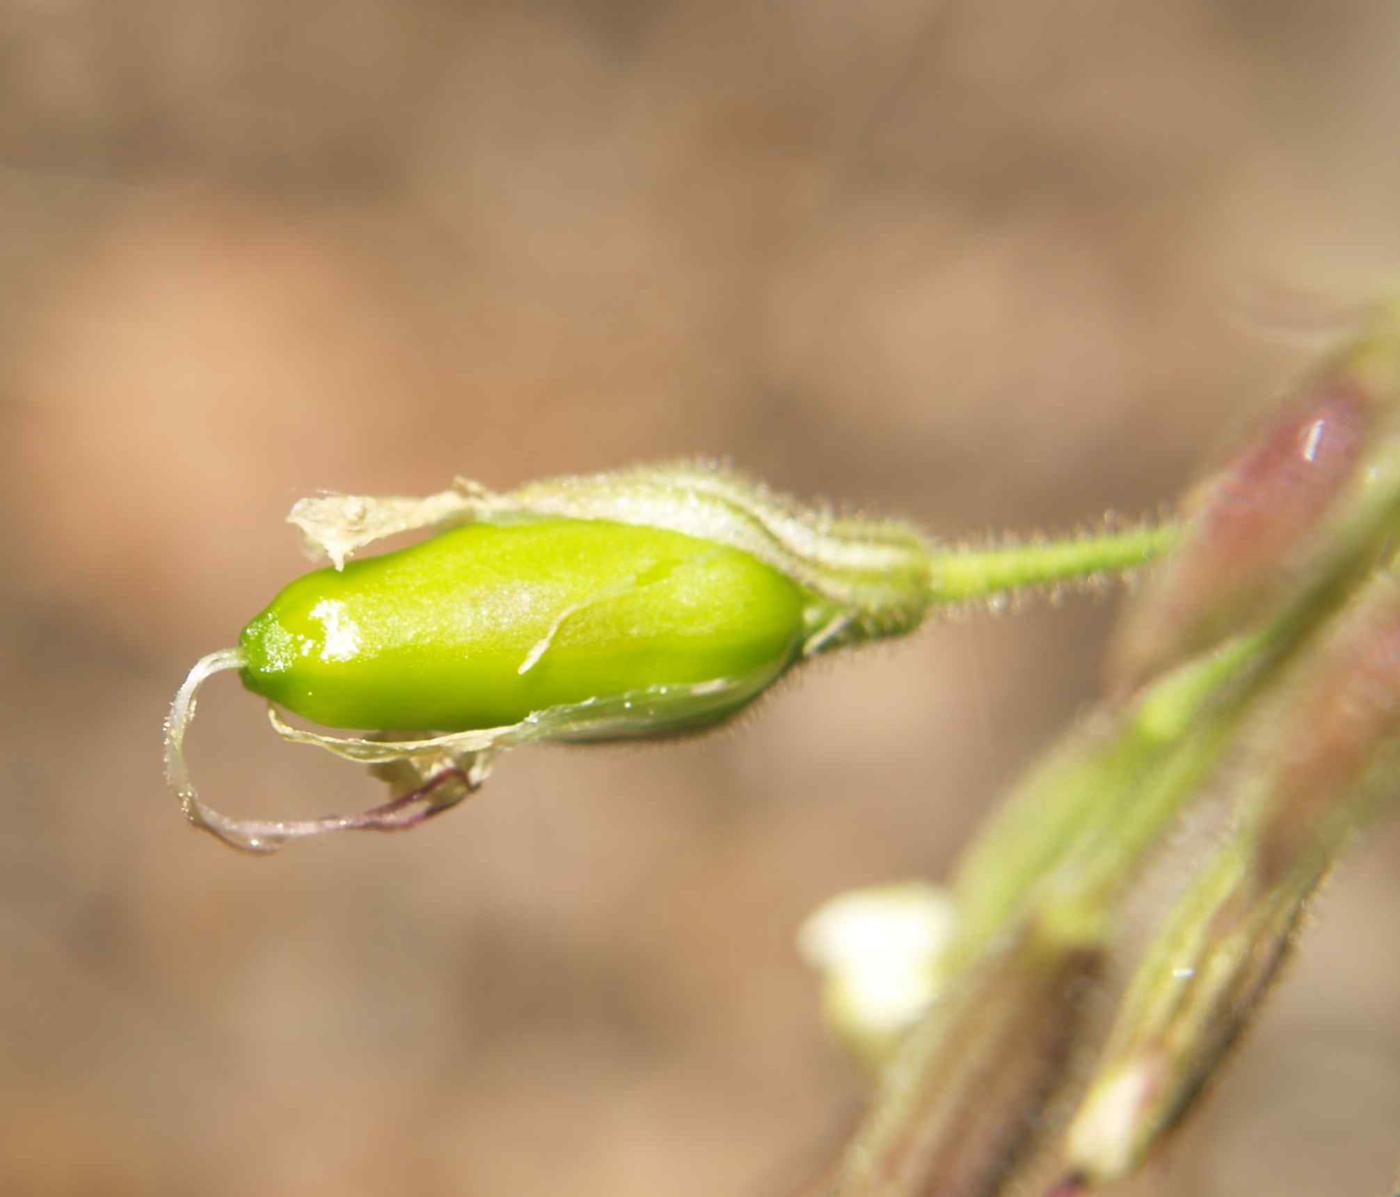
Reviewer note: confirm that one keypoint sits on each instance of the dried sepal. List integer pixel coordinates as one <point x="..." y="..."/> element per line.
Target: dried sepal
<point x="422" y="781"/>
<point x="432" y="772"/>
<point x="337" y="526"/>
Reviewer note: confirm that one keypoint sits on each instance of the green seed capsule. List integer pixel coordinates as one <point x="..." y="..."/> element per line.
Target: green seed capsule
<point x="641" y="603"/>
<point x="483" y="625"/>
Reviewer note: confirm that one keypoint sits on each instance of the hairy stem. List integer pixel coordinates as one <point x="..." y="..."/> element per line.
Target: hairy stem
<point x="980" y="573"/>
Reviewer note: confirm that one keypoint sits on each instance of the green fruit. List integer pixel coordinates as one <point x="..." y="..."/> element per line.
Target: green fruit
<point x="484" y="625"/>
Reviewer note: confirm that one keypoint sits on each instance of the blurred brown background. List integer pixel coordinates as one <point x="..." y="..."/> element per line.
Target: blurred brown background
<point x="994" y="265"/>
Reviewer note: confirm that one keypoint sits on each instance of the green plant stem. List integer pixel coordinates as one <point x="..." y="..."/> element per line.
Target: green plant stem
<point x="979" y="573"/>
<point x="1077" y="794"/>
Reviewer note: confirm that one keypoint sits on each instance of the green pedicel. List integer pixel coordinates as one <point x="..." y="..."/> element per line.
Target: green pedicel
<point x="482" y="625"/>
